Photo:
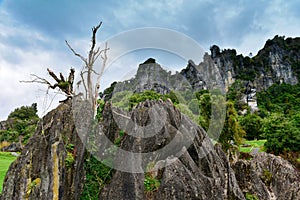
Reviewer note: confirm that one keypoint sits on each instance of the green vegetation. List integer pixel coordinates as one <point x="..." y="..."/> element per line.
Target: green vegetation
<point x="5" y="160"/>
<point x="280" y="98"/>
<point x="35" y="183"/>
<point x="281" y="124"/>
<point x="282" y="133"/>
<point x="119" y="138"/>
<point x="252" y="124"/>
<point x="232" y="134"/>
<point x="267" y="177"/>
<point x="151" y="183"/>
<point x="69" y="160"/>
<point x="97" y="175"/>
<point x="251" y="197"/>
<point x="22" y="124"/>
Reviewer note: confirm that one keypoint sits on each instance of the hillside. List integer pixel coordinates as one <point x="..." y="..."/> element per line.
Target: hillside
<point x="170" y="136"/>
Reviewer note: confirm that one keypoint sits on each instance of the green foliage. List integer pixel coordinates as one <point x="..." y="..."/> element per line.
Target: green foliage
<point x="97" y="175"/>
<point x="151" y="184"/>
<point x="108" y="92"/>
<point x="185" y="110"/>
<point x="24" y="112"/>
<point x="70" y="158"/>
<point x="64" y="84"/>
<point x="23" y="122"/>
<point x="141" y="97"/>
<point x="267" y="177"/>
<point x="235" y="94"/>
<point x="252" y="125"/>
<point x="232" y="133"/>
<point x="251" y="197"/>
<point x="205" y="109"/>
<point x="100" y="108"/>
<point x="282" y="133"/>
<point x="69" y="161"/>
<point x="121" y="100"/>
<point x="281" y="124"/>
<point x="70" y="147"/>
<point x="176" y="98"/>
<point x="194" y="106"/>
<point x="119" y="138"/>
<point x="284" y="98"/>
<point x="296" y="68"/>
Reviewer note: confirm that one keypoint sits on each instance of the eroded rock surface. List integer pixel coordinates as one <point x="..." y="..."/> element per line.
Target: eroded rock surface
<point x="195" y="171"/>
<point x="51" y="164"/>
<point x="268" y="177"/>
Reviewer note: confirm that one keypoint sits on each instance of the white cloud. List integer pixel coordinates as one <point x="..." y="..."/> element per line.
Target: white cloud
<point x="29" y="42"/>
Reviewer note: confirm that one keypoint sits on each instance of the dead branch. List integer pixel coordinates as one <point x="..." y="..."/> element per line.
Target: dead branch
<point x="61" y="83"/>
<point x="76" y="54"/>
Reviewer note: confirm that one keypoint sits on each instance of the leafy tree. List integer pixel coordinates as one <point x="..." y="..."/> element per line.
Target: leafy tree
<point x="24" y="112"/>
<point x="232" y="134"/>
<point x="22" y="122"/>
<point x="284" y="98"/>
<point x="282" y="133"/>
<point x="176" y="98"/>
<point x="146" y="95"/>
<point x="205" y="109"/>
<point x="252" y="124"/>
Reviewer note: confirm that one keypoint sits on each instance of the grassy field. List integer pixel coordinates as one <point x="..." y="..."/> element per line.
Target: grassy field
<point x="5" y="160"/>
<point x="253" y="144"/>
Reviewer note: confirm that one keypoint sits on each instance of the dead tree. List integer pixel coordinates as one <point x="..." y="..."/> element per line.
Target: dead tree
<point x="62" y="83"/>
<point x="86" y="74"/>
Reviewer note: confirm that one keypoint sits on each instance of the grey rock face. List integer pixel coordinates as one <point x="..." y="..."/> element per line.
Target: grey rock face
<point x="198" y="172"/>
<point x="40" y="172"/>
<point x="272" y="64"/>
<point x="268" y="177"/>
<point x="3" y="125"/>
<point x="14" y="147"/>
<point x="150" y="76"/>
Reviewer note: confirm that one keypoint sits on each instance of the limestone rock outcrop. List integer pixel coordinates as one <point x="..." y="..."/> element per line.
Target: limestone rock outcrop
<point x="51" y="164"/>
<point x="268" y="177"/>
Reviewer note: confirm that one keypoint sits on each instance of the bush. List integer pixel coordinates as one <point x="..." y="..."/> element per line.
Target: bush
<point x="282" y="133"/>
<point x="97" y="175"/>
<point x="252" y="125"/>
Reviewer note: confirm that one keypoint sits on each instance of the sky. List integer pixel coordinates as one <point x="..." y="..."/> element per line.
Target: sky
<point x="32" y="35"/>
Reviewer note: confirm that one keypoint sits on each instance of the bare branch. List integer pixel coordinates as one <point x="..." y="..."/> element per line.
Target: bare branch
<point x="62" y="78"/>
<point x="75" y="53"/>
<point x="53" y="75"/>
<point x="104" y="60"/>
<point x="94" y="30"/>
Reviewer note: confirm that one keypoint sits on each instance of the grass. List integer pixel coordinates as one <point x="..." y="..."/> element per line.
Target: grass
<point x="253" y="144"/>
<point x="5" y="160"/>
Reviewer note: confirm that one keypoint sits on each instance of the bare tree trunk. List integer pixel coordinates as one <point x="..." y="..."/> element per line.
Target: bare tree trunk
<point x="86" y="74"/>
